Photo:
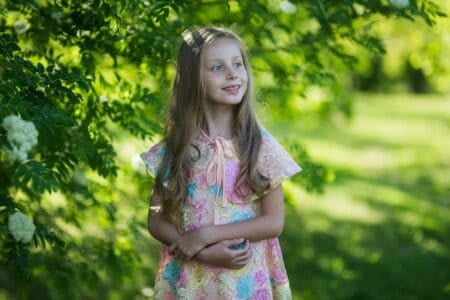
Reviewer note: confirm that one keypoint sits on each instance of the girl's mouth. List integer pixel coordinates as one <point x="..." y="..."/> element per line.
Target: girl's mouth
<point x="232" y="88"/>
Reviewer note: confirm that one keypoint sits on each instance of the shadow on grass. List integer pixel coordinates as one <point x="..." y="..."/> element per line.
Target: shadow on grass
<point x="408" y="180"/>
<point x="355" y="260"/>
<point x="390" y="239"/>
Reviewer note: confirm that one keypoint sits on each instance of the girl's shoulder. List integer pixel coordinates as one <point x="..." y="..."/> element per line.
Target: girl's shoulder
<point x="270" y="144"/>
<point x="274" y="161"/>
<point x="153" y="156"/>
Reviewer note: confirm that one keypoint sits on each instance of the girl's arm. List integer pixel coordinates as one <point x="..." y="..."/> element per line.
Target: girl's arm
<point x="268" y="225"/>
<point x="158" y="226"/>
<point x="219" y="254"/>
<point x="161" y="229"/>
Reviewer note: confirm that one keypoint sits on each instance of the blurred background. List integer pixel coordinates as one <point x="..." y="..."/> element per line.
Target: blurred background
<point x="358" y="91"/>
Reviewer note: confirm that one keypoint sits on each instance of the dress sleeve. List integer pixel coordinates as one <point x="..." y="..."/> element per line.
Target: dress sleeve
<point x="274" y="162"/>
<point x="152" y="158"/>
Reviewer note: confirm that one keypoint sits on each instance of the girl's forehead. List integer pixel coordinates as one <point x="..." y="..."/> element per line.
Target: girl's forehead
<point x="222" y="48"/>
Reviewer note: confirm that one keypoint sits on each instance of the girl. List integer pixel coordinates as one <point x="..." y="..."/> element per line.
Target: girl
<point x="217" y="204"/>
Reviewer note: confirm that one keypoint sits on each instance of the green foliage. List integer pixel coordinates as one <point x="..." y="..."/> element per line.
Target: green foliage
<point x="417" y="61"/>
<point x="42" y="178"/>
<point x="84" y="72"/>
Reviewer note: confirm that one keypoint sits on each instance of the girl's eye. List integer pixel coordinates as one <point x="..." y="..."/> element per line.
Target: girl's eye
<point x="237" y="65"/>
<point x="216" y="68"/>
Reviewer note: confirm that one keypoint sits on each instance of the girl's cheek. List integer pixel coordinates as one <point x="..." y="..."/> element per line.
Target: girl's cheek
<point x="215" y="74"/>
<point x="242" y="72"/>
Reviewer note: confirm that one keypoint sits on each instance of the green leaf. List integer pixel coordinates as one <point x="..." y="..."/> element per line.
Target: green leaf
<point x="41" y="178"/>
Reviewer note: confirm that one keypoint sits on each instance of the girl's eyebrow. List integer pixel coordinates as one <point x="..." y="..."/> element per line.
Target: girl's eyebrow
<point x="220" y="59"/>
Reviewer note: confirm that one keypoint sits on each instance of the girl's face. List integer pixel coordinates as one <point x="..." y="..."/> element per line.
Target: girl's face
<point x="224" y="72"/>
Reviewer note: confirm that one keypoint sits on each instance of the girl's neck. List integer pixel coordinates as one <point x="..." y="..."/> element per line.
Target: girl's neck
<point x="219" y="121"/>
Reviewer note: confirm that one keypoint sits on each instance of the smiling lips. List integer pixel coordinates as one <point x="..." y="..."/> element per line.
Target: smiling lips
<point x="232" y="89"/>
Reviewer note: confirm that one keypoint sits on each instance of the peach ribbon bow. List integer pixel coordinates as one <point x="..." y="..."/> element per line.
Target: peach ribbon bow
<point x="216" y="171"/>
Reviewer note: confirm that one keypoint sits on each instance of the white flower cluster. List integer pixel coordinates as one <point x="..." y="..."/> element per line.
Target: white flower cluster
<point x="21" y="227"/>
<point x="287" y="7"/>
<point x="400" y="4"/>
<point x="21" y="26"/>
<point x="22" y="135"/>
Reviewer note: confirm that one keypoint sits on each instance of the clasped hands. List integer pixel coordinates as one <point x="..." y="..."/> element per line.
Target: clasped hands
<point x="197" y="243"/>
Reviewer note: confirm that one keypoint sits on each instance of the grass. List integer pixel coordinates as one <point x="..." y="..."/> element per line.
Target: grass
<point x="381" y="230"/>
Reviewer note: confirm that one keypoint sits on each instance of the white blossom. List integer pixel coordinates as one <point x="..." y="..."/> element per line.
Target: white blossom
<point x="400" y="4"/>
<point x="148" y="292"/>
<point x="21" y="227"/>
<point x="136" y="162"/>
<point x="57" y="15"/>
<point x="21" y="26"/>
<point x="22" y="136"/>
<point x="287" y="7"/>
<point x="103" y="99"/>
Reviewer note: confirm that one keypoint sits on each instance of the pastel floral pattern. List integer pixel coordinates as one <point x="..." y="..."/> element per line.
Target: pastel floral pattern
<point x="225" y="285"/>
<point x="213" y="200"/>
<point x="216" y="190"/>
<point x="199" y="209"/>
<point x="171" y="273"/>
<point x="231" y="174"/>
<point x="261" y="278"/>
<point x="245" y="287"/>
<point x="263" y="294"/>
<point x="192" y="186"/>
<point x="239" y="216"/>
<point x="199" y="277"/>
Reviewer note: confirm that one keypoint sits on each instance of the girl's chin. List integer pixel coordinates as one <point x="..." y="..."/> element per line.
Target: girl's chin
<point x="227" y="100"/>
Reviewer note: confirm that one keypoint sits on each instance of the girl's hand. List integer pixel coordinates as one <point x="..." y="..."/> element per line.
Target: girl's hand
<point x="189" y="244"/>
<point x="221" y="254"/>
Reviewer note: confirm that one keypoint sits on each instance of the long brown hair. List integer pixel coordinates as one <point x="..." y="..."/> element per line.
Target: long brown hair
<point x="187" y="116"/>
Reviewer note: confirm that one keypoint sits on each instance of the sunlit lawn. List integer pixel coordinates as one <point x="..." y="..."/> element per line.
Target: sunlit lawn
<point x="382" y="229"/>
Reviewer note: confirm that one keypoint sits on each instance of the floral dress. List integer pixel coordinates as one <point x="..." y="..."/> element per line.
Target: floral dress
<point x="213" y="200"/>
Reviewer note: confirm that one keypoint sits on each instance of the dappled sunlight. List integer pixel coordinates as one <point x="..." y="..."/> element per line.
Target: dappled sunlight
<point x="392" y="198"/>
<point x="368" y="158"/>
<point x="383" y="222"/>
<point x="397" y="131"/>
<point x="403" y="119"/>
<point x="334" y="203"/>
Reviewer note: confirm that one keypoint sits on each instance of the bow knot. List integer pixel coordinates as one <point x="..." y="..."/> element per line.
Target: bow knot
<point x="215" y="175"/>
<point x="216" y="170"/>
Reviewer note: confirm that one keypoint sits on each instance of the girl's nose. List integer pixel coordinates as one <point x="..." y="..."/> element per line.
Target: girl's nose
<point x="231" y="74"/>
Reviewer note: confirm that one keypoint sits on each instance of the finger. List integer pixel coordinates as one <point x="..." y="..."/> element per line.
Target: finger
<point x="245" y="256"/>
<point x="242" y="251"/>
<point x="242" y="261"/>
<point x="234" y="242"/>
<point x="235" y="266"/>
<point x="239" y="264"/>
<point x="188" y="256"/>
<point x="248" y="256"/>
<point x="172" y="248"/>
<point x="247" y="244"/>
<point x="244" y="246"/>
<point x="181" y="256"/>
